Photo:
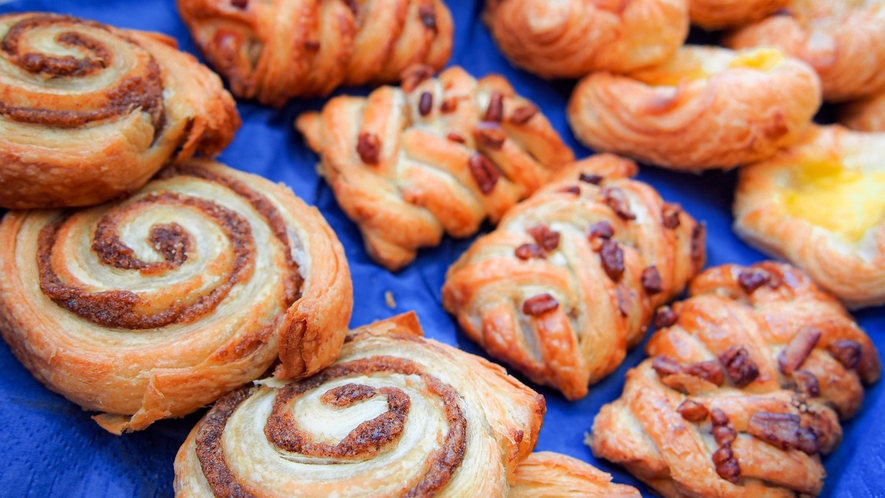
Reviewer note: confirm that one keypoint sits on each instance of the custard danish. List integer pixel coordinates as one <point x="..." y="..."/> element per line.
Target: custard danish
<point x="90" y="112"/>
<point x="156" y="305"/>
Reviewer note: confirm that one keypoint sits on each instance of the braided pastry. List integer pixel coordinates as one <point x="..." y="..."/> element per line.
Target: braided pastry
<point x="545" y="474"/>
<point x="867" y="114"/>
<point x="395" y="415"/>
<point x="569" y="280"/>
<point x="843" y="41"/>
<point x="770" y="327"/>
<point x="89" y="112"/>
<point x="820" y="205"/>
<point x="275" y="50"/>
<point x="684" y="436"/>
<point x="153" y="306"/>
<point x="438" y="155"/>
<point x="718" y="14"/>
<point x="571" y="38"/>
<point x="708" y="107"/>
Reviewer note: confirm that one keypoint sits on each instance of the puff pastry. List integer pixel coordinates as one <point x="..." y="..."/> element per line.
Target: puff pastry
<point x="684" y="436"/>
<point x="864" y="115"/>
<point x="90" y="112"/>
<point x="395" y="415"/>
<point x="718" y="14"/>
<point x="571" y="38"/>
<point x="843" y="41"/>
<point x="708" y="107"/>
<point x="770" y="327"/>
<point x="273" y="51"/>
<point x="570" y="279"/>
<point x="545" y="474"/>
<point x="153" y="306"/>
<point x="821" y="206"/>
<point x="437" y="155"/>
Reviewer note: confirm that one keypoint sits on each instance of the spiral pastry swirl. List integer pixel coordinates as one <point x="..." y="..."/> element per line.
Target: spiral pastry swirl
<point x="570" y="278"/>
<point x="395" y="415"/>
<point x="156" y="305"/>
<point x="273" y="51"/>
<point x="90" y="112"/>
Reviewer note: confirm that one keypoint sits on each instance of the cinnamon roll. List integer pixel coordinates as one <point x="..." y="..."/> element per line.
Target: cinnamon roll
<point x="273" y="51"/>
<point x="395" y="415"/>
<point x="90" y="112"/>
<point x="155" y="305"/>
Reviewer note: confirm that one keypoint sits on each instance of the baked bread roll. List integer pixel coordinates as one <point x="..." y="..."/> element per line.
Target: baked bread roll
<point x="843" y="41"/>
<point x="770" y="327"/>
<point x="437" y="155"/>
<point x="708" y="107"/>
<point x="545" y="474"/>
<point x="684" y="436"/>
<point x="867" y="114"/>
<point x="395" y="415"/>
<point x="821" y="206"/>
<point x="273" y="51"/>
<point x="570" y="278"/>
<point x="571" y="38"/>
<point x="90" y="112"/>
<point x="718" y="14"/>
<point x="156" y="305"/>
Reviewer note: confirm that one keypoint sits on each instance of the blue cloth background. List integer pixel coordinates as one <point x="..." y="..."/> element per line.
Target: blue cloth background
<point x="52" y="448"/>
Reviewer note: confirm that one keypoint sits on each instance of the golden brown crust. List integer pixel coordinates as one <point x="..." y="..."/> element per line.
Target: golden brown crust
<point x="866" y="114"/>
<point x="718" y="14"/>
<point x="707" y="107"/>
<point x="438" y="155"/>
<point x="153" y="306"/>
<point x="818" y="205"/>
<point x="570" y="278"/>
<point x="701" y="440"/>
<point x="842" y="41"/>
<point x="395" y="415"/>
<point x="80" y="130"/>
<point x="795" y="335"/>
<point x="544" y="474"/>
<point x="571" y="38"/>
<point x="273" y="51"/>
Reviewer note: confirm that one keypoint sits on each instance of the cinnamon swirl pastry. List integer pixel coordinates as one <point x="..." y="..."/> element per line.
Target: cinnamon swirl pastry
<point x="718" y="14"/>
<point x="708" y="107"/>
<point x="821" y="206"/>
<point x="570" y="278"/>
<point x="273" y="51"/>
<point x="843" y="41"/>
<point x="395" y="415"/>
<point x="153" y="306"/>
<point x="864" y="115"/>
<point x="437" y="155"/>
<point x="90" y="112"/>
<point x="684" y="436"/>
<point x="545" y="474"/>
<point x="571" y="38"/>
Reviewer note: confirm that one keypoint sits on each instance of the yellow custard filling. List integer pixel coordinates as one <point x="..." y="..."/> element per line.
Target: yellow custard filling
<point x="841" y="200"/>
<point x="763" y="59"/>
<point x="688" y="68"/>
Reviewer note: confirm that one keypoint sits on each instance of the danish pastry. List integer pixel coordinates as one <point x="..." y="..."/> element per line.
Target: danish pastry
<point x="156" y="305"/>
<point x="545" y="474"/>
<point x="864" y="115"/>
<point x="821" y="206"/>
<point x="684" y="436"/>
<point x="437" y="155"/>
<point x="395" y="415"/>
<point x="570" y="279"/>
<point x="708" y="107"/>
<point x="571" y="38"/>
<point x="718" y="14"/>
<point x="273" y="51"/>
<point x="770" y="327"/>
<point x="843" y="41"/>
<point x="90" y="112"/>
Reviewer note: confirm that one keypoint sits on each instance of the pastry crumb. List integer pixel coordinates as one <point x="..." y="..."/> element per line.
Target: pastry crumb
<point x="388" y="298"/>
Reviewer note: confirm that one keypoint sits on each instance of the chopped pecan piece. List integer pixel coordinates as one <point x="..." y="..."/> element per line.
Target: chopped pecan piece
<point x="590" y="178"/>
<point x="807" y="383"/>
<point x="523" y="113"/>
<point x="651" y="281"/>
<point x="490" y="134"/>
<point x="495" y="111"/>
<point x="697" y="243"/>
<point x="707" y="370"/>
<point x="612" y="259"/>
<point x="664" y="366"/>
<point x="665" y="317"/>
<point x="539" y="305"/>
<point x="847" y="352"/>
<point x="529" y="251"/>
<point x="368" y="146"/>
<point x="798" y="349"/>
<point x="574" y="189"/>
<point x="449" y="105"/>
<point x="454" y="137"/>
<point x="750" y="280"/>
<point x="602" y="230"/>
<point x="617" y="200"/>
<point x="484" y="173"/>
<point x="692" y="411"/>
<point x="240" y="4"/>
<point x="777" y="429"/>
<point x="413" y="75"/>
<point x="808" y="441"/>
<point x="546" y="238"/>
<point x="425" y="103"/>
<point x="740" y="368"/>
<point x="670" y="215"/>
<point x="723" y="432"/>
<point x="727" y="465"/>
<point x="428" y="16"/>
